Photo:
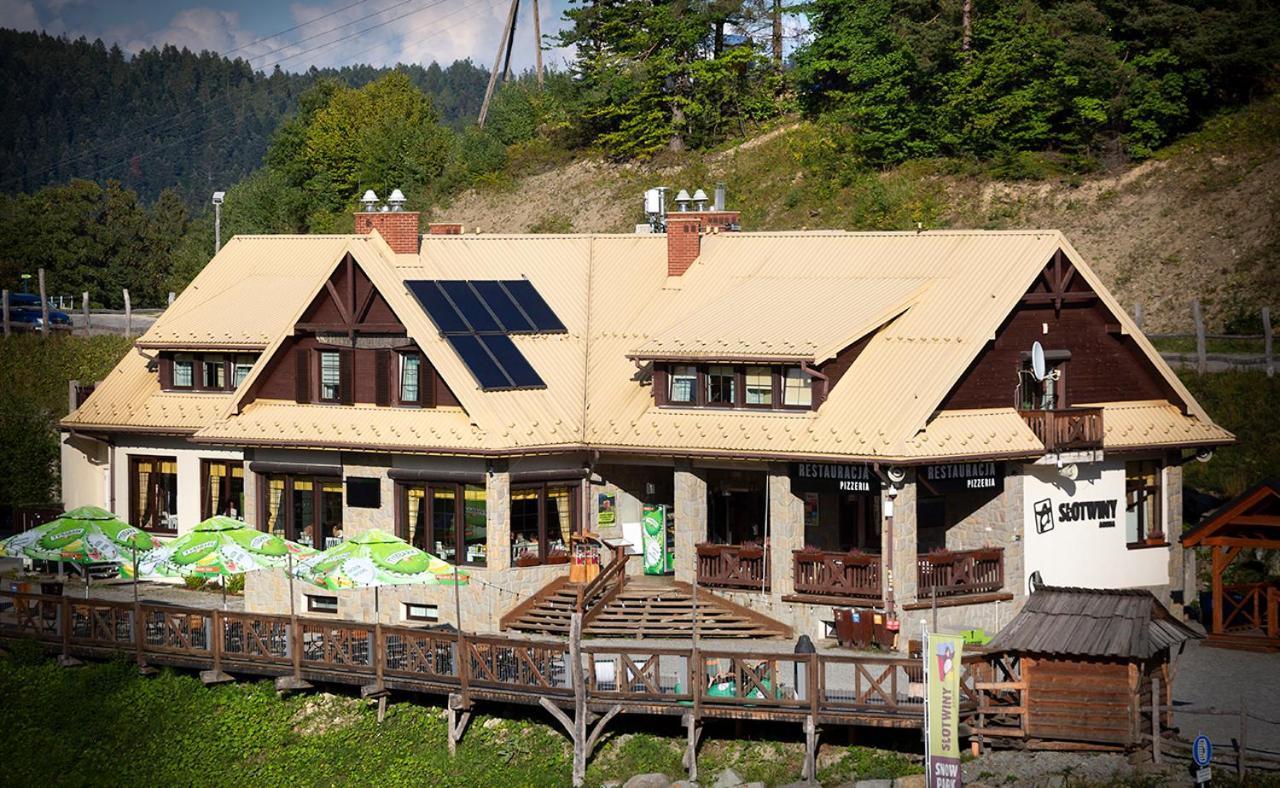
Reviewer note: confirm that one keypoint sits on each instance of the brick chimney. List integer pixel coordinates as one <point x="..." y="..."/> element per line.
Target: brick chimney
<point x="684" y="235"/>
<point x="398" y="228"/>
<point x="444" y="228"/>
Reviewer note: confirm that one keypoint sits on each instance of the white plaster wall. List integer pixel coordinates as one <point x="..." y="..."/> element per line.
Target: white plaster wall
<point x="1081" y="553"/>
<point x="84" y="472"/>
<point x="188" y="456"/>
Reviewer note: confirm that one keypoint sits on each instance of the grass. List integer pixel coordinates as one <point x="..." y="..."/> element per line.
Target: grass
<point x="1248" y="404"/>
<point x="104" y="723"/>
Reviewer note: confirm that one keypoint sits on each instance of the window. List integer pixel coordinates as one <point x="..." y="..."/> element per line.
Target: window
<point x="543" y="518"/>
<point x="303" y="509"/>
<point x="215" y="374"/>
<point x="410" y="374"/>
<point x="721" y="382"/>
<point x="759" y="386"/>
<point x="183" y="372"/>
<point x="684" y="384"/>
<point x="1142" y="502"/>
<point x="330" y="375"/>
<point x="223" y="489"/>
<point x="243" y="366"/>
<point x="153" y="493"/>
<point x="416" y="612"/>
<point x="317" y="603"/>
<point x="446" y="520"/>
<point x="1047" y="394"/>
<point x="797" y="388"/>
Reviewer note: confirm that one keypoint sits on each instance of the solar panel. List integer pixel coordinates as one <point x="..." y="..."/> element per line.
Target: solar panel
<point x="487" y="373"/>
<point x="522" y="292"/>
<point x="470" y="306"/>
<point x="512" y="360"/>
<point x="506" y="310"/>
<point x="438" y="308"/>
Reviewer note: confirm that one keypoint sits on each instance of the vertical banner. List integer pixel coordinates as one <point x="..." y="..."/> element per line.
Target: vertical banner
<point x="654" y="536"/>
<point x="942" y="667"/>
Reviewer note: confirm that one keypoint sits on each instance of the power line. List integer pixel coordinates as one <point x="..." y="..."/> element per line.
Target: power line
<point x="298" y="26"/>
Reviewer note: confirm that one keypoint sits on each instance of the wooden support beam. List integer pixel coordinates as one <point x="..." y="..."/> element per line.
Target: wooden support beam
<point x="1202" y="363"/>
<point x="128" y="314"/>
<point x="1155" y="719"/>
<point x="693" y="734"/>
<point x="594" y="738"/>
<point x="559" y="714"/>
<point x="459" y="717"/>
<point x="809" y="771"/>
<point x="497" y="61"/>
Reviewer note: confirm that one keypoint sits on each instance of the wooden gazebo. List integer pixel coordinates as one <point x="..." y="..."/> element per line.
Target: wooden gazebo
<point x="1245" y="615"/>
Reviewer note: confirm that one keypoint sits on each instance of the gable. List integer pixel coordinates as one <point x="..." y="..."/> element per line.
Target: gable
<point x="1062" y="312"/>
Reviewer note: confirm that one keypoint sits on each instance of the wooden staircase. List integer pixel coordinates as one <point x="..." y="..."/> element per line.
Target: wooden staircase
<point x="640" y="607"/>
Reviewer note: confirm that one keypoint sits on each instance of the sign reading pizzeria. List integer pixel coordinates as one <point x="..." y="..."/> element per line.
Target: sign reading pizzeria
<point x="964" y="477"/>
<point x="834" y="477"/>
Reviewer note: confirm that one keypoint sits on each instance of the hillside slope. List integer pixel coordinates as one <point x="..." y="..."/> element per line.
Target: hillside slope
<point x="1198" y="220"/>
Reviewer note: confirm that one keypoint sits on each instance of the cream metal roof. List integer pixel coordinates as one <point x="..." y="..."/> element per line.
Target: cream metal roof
<point x="130" y="399"/>
<point x="1155" y="423"/>
<point x="927" y="302"/>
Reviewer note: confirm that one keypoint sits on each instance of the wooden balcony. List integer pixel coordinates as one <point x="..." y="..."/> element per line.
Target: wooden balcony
<point x="960" y="573"/>
<point x="1073" y="429"/>
<point x="851" y="576"/>
<point x="733" y="566"/>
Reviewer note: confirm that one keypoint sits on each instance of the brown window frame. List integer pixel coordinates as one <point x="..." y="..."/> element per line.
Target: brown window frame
<point x="425" y="538"/>
<point x="1058" y="360"/>
<point x="663" y="376"/>
<point x="206" y="465"/>
<point x="150" y="524"/>
<point x="410" y="616"/>
<point x="324" y="607"/>
<point x="575" y="516"/>
<point x="1156" y="491"/>
<point x="318" y="382"/>
<point x="290" y="528"/>
<point x="426" y="380"/>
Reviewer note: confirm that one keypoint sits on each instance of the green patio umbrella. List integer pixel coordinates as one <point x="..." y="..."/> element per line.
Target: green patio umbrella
<point x="374" y="559"/>
<point x="218" y="547"/>
<point x="85" y="535"/>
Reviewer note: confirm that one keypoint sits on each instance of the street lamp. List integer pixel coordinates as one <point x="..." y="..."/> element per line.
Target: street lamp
<point x="218" y="197"/>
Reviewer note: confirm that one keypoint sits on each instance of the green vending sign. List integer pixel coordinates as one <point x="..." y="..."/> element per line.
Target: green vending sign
<point x="658" y="560"/>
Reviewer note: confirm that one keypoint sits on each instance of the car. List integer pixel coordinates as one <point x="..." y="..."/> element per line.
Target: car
<point x="27" y="318"/>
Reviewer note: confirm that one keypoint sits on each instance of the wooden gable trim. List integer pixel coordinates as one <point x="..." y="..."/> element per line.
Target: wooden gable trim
<point x="1054" y="285"/>
<point x="1232" y="512"/>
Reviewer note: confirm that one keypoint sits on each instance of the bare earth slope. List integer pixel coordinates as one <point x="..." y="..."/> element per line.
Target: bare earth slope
<point x="1199" y="220"/>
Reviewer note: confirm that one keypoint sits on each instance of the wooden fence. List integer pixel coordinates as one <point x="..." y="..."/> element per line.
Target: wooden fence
<point x="108" y="321"/>
<point x="1205" y="361"/>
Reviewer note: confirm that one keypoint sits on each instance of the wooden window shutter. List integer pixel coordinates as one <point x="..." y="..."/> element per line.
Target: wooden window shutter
<point x="382" y="377"/>
<point x="345" y="387"/>
<point x="166" y="373"/>
<point x="302" y="375"/>
<point x="426" y="382"/>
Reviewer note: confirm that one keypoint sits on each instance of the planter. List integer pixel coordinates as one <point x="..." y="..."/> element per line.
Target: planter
<point x="750" y="553"/>
<point x="558" y="558"/>
<point x="707" y="549"/>
<point x="528" y="560"/>
<point x="987" y="554"/>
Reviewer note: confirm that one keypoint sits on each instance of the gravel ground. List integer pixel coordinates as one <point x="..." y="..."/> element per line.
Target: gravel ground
<point x="1045" y="769"/>
<point x="1224" y="678"/>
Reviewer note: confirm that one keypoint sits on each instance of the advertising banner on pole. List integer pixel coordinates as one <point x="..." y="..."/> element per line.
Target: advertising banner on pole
<point x="942" y="667"/>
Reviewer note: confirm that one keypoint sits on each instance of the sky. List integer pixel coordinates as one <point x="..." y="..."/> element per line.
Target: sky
<point x="335" y="33"/>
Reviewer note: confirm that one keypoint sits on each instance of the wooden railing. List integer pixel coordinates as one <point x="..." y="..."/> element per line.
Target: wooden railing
<point x="826" y="573"/>
<point x="1251" y="606"/>
<point x="1071" y="429"/>
<point x="733" y="566"/>
<point x="960" y="572"/>
<point x="593" y="596"/>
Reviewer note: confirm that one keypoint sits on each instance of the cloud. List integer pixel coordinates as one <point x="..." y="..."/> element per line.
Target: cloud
<point x="19" y="15"/>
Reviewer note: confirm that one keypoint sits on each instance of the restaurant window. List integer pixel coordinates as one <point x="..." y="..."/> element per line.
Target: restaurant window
<point x="410" y="378"/>
<point x="183" y="372"/>
<point x="223" y="488"/>
<point x="759" y="386"/>
<point x="153" y="493"/>
<point x="1142" y="502"/>
<point x="797" y="388"/>
<point x="330" y="375"/>
<point x="446" y="520"/>
<point x="721" y="385"/>
<point x="304" y="509"/>
<point x="215" y="373"/>
<point x="243" y="366"/>
<point x="414" y="611"/>
<point x="684" y="384"/>
<point x="318" y="603"/>
<point x="543" y="517"/>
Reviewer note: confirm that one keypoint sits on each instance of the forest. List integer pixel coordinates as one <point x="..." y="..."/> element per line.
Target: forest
<point x="108" y="161"/>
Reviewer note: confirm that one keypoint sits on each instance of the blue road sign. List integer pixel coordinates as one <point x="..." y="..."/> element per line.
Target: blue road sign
<point x="1202" y="751"/>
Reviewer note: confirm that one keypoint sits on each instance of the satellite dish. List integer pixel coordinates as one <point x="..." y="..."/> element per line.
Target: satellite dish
<point x="1204" y="455"/>
<point x="1035" y="582"/>
<point x="1069" y="471"/>
<point x="1037" y="361"/>
<point x="895" y="474"/>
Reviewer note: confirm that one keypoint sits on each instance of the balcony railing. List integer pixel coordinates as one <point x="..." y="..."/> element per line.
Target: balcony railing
<point x="1074" y="429"/>
<point x="733" y="566"/>
<point x="855" y="576"/>
<point x="961" y="572"/>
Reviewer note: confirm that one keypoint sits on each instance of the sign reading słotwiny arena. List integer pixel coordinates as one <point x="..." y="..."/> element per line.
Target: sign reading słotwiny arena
<point x="964" y="477"/>
<point x="942" y="667"/>
<point x="834" y="477"/>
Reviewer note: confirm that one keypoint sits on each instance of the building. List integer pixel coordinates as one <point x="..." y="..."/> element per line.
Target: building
<point x="824" y="418"/>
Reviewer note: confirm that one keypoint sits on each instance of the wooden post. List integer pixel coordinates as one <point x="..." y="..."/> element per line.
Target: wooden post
<point x="84" y="307"/>
<point x="128" y="314"/>
<point x="379" y="646"/>
<point x="1241" y="767"/>
<point x="44" y="305"/>
<point x="296" y="632"/>
<point x="1138" y="315"/>
<point x="1155" y="719"/>
<point x="503" y="43"/>
<point x="215" y="638"/>
<point x="537" y="41"/>
<point x="1266" y="342"/>
<point x="579" y="700"/>
<point x="1202" y="363"/>
<point x="66" y="629"/>
<point x="171" y="297"/>
<point x="6" y="312"/>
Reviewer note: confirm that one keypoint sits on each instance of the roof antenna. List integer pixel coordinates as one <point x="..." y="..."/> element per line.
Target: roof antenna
<point x="919" y="227"/>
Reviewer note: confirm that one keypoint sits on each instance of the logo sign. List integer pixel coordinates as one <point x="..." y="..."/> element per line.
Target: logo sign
<point x="1202" y="751"/>
<point x="964" y="476"/>
<point x="1044" y="515"/>
<point x="942" y="669"/>
<point x="834" y="477"/>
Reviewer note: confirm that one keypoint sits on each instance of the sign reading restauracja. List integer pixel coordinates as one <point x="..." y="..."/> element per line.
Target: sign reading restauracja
<point x="834" y="477"/>
<point x="1075" y="533"/>
<point x="964" y="476"/>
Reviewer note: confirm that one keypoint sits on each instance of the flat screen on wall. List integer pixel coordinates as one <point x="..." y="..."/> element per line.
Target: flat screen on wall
<point x="364" y="492"/>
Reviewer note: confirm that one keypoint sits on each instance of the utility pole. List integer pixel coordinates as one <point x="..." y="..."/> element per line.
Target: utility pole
<point x="777" y="36"/>
<point x="537" y="40"/>
<point x="508" y="33"/>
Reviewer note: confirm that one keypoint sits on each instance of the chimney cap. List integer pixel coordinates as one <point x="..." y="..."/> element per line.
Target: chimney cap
<point x="699" y="196"/>
<point x="370" y="200"/>
<point x="396" y="200"/>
